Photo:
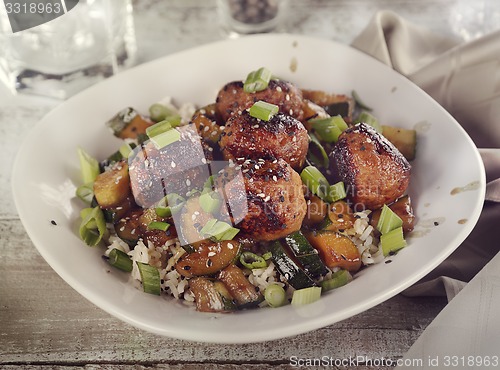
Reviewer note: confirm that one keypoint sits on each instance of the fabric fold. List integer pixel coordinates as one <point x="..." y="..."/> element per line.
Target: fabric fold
<point x="465" y="80"/>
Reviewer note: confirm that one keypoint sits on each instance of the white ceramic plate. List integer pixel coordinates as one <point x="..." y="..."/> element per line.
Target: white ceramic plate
<point x="46" y="173"/>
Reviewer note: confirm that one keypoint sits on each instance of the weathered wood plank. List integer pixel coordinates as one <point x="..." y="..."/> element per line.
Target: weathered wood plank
<point x="45" y="321"/>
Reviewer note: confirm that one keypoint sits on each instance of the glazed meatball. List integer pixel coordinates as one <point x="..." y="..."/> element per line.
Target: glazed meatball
<point x="281" y="137"/>
<point x="175" y="168"/>
<point x="374" y="171"/>
<point x="265" y="198"/>
<point x="231" y="98"/>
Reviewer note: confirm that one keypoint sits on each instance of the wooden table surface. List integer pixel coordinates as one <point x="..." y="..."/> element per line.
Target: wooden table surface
<point x="45" y="324"/>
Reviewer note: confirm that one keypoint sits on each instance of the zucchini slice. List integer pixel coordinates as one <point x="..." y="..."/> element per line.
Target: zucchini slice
<point x="290" y="270"/>
<point x="305" y="254"/>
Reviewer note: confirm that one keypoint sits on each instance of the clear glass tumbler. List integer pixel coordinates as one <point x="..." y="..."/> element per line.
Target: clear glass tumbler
<point x="80" y="47"/>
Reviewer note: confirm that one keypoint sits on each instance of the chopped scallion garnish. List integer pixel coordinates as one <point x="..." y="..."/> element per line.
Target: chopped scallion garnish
<point x="158" y="128"/>
<point x="158" y="112"/>
<point x="166" y="138"/>
<point x="388" y="220"/>
<point x="163" y="211"/>
<point x="125" y="150"/>
<point x="252" y="261"/>
<point x="306" y="295"/>
<point x="93" y="225"/>
<point x="120" y="260"/>
<point x="263" y="110"/>
<point x="210" y="201"/>
<point x="392" y="241"/>
<point x="338" y="279"/>
<point x="275" y="295"/>
<point x="329" y="129"/>
<point x="370" y="120"/>
<point x="89" y="166"/>
<point x="219" y="230"/>
<point x="257" y="80"/>
<point x="315" y="181"/>
<point x="86" y="192"/>
<point x="150" y="277"/>
<point x="158" y="225"/>
<point x="336" y="192"/>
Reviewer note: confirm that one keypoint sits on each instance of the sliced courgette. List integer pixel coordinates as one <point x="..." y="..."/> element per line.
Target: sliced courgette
<point x="288" y="268"/>
<point x="403" y="139"/>
<point x="305" y="254"/>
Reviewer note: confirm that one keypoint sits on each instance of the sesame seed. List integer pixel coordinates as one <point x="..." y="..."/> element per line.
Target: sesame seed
<point x="279" y="89"/>
<point x="266" y="199"/>
<point x="211" y="254"/>
<point x="262" y="195"/>
<point x="172" y="164"/>
<point x="275" y="178"/>
<point x="287" y="97"/>
<point x="230" y="246"/>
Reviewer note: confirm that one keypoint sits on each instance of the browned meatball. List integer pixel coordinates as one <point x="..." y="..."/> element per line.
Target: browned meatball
<point x="265" y="198"/>
<point x="280" y="137"/>
<point x="374" y="171"/>
<point x="175" y="168"/>
<point x="286" y="96"/>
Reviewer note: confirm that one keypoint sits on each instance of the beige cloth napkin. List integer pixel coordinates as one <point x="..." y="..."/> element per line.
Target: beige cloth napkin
<point x="465" y="79"/>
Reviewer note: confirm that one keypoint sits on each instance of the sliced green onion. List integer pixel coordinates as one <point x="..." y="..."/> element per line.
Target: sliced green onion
<point x="257" y="80"/>
<point x="174" y="120"/>
<point x="166" y="138"/>
<point x="275" y="295"/>
<point x="163" y="211"/>
<point x="125" y="150"/>
<point x="306" y="295"/>
<point x="252" y="261"/>
<point x="158" y="112"/>
<point x="93" y="225"/>
<point x="267" y="256"/>
<point x="370" y="120"/>
<point x="158" y="225"/>
<point x="338" y="279"/>
<point x="175" y="202"/>
<point x="315" y="181"/>
<point x="336" y="192"/>
<point x="388" y="220"/>
<point x="219" y="230"/>
<point x="359" y="102"/>
<point x="89" y="166"/>
<point x="210" y="202"/>
<point x="150" y="277"/>
<point x="329" y="129"/>
<point x="158" y="128"/>
<point x="209" y="184"/>
<point x="324" y="161"/>
<point x="86" y="192"/>
<point x="120" y="260"/>
<point x="263" y="110"/>
<point x="392" y="241"/>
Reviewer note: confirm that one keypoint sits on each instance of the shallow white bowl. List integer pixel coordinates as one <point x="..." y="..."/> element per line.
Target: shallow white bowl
<point x="46" y="173"/>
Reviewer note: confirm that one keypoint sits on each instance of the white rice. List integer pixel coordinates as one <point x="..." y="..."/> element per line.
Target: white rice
<point x="173" y="284"/>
